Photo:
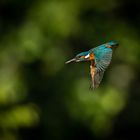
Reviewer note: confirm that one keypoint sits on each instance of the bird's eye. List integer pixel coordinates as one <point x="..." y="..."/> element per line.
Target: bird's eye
<point x="81" y="56"/>
<point x="78" y="56"/>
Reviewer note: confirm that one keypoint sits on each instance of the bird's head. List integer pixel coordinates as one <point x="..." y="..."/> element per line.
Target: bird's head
<point x="84" y="56"/>
<point x="112" y="44"/>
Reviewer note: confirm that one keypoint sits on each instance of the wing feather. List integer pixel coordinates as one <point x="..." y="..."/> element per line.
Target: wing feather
<point x="101" y="62"/>
<point x="102" y="56"/>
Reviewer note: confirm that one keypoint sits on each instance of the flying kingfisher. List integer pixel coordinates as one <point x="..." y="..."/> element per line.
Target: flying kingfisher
<point x="100" y="58"/>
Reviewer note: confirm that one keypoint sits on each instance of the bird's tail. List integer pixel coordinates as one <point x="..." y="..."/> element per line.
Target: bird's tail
<point x="96" y="79"/>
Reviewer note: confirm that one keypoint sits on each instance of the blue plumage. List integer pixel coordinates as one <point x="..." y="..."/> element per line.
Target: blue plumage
<point x="100" y="58"/>
<point x="103" y="56"/>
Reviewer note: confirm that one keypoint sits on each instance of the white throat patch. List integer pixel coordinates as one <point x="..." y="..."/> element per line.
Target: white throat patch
<point x="87" y="56"/>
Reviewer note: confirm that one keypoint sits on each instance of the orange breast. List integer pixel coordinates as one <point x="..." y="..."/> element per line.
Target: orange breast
<point x="91" y="57"/>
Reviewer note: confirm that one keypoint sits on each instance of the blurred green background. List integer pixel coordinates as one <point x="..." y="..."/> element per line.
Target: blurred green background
<point x="41" y="97"/>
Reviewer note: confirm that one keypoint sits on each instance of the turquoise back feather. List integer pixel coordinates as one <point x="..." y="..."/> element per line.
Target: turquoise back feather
<point x="103" y="56"/>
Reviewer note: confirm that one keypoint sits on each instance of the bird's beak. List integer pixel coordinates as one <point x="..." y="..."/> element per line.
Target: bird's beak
<point x="72" y="60"/>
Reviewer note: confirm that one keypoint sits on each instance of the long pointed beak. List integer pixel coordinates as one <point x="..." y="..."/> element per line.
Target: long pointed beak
<point x="72" y="60"/>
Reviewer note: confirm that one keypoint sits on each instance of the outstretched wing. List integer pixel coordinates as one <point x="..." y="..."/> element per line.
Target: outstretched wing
<point x="102" y="59"/>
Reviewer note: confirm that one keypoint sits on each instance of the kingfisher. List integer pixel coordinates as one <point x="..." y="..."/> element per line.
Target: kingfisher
<point x="100" y="58"/>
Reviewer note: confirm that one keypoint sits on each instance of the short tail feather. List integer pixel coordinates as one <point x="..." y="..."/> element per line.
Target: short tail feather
<point x="96" y="79"/>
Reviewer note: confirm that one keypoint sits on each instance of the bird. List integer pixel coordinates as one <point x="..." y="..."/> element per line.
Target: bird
<point x="100" y="58"/>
